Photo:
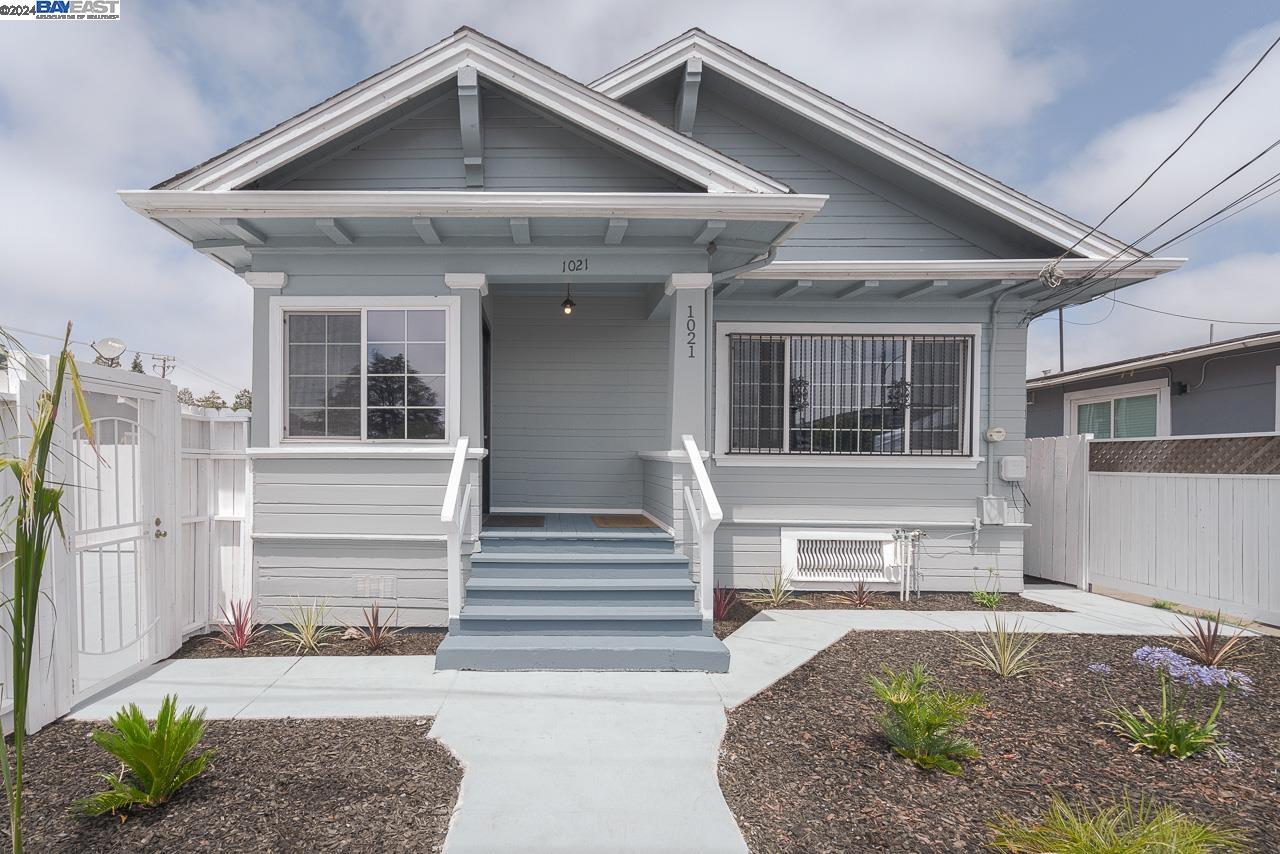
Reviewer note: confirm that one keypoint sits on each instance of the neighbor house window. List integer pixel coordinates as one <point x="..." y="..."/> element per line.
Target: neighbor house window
<point x="374" y="374"/>
<point x="1119" y="418"/>
<point x="850" y="394"/>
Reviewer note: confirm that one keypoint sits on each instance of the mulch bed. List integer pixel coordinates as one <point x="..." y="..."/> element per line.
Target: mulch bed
<point x="879" y="601"/>
<point x="279" y="786"/>
<point x="804" y="768"/>
<point x="407" y="642"/>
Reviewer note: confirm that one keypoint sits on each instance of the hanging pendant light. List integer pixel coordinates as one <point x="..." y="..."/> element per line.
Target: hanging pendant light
<point x="568" y="303"/>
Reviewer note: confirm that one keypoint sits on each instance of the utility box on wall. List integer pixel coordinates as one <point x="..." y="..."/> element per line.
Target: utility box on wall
<point x="1013" y="468"/>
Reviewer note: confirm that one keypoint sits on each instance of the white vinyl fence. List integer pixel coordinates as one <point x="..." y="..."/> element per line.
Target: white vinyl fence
<point x="1209" y="541"/>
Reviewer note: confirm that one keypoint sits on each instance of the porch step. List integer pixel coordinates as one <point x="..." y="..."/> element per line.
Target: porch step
<point x="553" y="565"/>
<point x="588" y="619"/>
<point x="606" y="542"/>
<point x="583" y="652"/>
<point x="632" y="590"/>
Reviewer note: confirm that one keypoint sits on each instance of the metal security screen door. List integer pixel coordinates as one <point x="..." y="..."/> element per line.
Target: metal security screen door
<point x="121" y="499"/>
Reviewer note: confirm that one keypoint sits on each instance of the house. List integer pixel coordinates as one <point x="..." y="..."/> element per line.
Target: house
<point x="502" y="319"/>
<point x="1222" y="387"/>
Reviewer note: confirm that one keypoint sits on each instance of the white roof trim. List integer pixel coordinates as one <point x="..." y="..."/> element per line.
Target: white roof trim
<point x="998" y="268"/>
<point x="504" y="67"/>
<point x="177" y="204"/>
<point x="1154" y="361"/>
<point x="862" y="129"/>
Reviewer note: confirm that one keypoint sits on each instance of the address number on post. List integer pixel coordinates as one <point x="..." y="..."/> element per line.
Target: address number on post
<point x="691" y="329"/>
<point x="574" y="265"/>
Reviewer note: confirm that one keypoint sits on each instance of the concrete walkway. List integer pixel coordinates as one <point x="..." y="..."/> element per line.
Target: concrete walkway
<point x="580" y="762"/>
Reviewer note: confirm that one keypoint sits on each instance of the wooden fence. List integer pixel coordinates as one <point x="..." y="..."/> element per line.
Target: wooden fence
<point x="1205" y="540"/>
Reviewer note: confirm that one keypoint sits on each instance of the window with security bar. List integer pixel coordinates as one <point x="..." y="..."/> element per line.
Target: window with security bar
<point x="850" y="394"/>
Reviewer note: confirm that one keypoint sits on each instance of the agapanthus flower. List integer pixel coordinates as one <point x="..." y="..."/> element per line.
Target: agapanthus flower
<point x="1183" y="670"/>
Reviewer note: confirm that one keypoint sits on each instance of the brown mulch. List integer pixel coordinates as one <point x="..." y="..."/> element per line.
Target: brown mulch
<point x="804" y="768"/>
<point x="407" y="642"/>
<point x="879" y="601"/>
<point x="278" y="786"/>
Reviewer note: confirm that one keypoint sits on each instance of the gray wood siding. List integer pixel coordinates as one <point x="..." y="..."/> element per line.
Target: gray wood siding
<point x="864" y="217"/>
<point x="522" y="151"/>
<point x="574" y="400"/>
<point x="343" y="574"/>
<point x="361" y="496"/>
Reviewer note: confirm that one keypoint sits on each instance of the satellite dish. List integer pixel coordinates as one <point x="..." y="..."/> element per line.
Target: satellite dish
<point x="108" y="348"/>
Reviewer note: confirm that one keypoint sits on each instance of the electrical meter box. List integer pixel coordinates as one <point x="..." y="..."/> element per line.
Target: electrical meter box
<point x="1013" y="468"/>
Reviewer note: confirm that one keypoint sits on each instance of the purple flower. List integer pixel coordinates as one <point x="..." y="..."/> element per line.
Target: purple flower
<point x="1101" y="669"/>
<point x="1183" y="670"/>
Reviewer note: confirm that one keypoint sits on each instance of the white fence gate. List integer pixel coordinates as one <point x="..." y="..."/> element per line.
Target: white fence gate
<point x="156" y="529"/>
<point x="1057" y="545"/>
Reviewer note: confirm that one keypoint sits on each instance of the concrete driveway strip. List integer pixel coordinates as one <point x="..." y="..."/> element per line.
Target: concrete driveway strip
<point x="587" y="762"/>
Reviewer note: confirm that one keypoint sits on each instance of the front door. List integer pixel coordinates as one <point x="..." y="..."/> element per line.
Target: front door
<point x="119" y="547"/>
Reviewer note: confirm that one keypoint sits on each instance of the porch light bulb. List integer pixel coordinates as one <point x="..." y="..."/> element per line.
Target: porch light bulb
<point x="568" y="303"/>
<point x="108" y="348"/>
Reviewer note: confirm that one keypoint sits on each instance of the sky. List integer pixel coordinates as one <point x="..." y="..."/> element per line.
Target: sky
<point x="1072" y="103"/>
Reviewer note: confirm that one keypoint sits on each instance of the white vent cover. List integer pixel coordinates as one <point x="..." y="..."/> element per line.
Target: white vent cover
<point x="376" y="586"/>
<point x="839" y="555"/>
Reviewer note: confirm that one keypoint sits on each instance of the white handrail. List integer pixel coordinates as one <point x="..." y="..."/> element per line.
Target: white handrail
<point x="453" y="515"/>
<point x="705" y="523"/>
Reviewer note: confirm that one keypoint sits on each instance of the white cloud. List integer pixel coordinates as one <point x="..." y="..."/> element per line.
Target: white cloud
<point x="1244" y="287"/>
<point x="948" y="72"/>
<point x="1118" y="158"/>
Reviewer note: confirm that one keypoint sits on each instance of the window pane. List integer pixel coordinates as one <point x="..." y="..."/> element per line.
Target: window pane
<point x="1094" y="418"/>
<point x="386" y="424"/>
<point x="344" y="422"/>
<point x="322" y="374"/>
<point x="386" y="391"/>
<point x="1135" y="416"/>
<point x="306" y="327"/>
<point x="425" y="358"/>
<point x="385" y="325"/>
<point x="306" y="359"/>
<point x="344" y="329"/>
<point x="424" y="391"/>
<point x="386" y="358"/>
<point x="306" y="422"/>
<point x="426" y="423"/>
<point x="756" y="397"/>
<point x="938" y="394"/>
<point x="426" y="325"/>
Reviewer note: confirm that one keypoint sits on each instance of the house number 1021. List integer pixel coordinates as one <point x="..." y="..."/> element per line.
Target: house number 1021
<point x="691" y="326"/>
<point x="573" y="265"/>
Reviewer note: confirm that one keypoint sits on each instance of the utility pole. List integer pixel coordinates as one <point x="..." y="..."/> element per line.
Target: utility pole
<point x="162" y="365"/>
<point x="1062" y="361"/>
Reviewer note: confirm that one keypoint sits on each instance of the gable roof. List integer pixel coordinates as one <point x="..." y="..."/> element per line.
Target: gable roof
<point x="1155" y="360"/>
<point x="504" y="67"/>
<point x="862" y="129"/>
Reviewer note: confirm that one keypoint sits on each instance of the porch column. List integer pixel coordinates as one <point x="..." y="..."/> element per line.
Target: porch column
<point x="688" y="342"/>
<point x="471" y="287"/>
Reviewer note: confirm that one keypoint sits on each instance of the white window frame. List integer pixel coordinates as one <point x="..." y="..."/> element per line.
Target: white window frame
<point x="279" y="306"/>
<point x="1072" y="400"/>
<point x="723" y="457"/>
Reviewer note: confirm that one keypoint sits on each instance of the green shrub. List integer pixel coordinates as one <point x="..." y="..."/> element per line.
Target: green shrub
<point x="985" y="599"/>
<point x="919" y="720"/>
<point x="777" y="594"/>
<point x="1176" y="728"/>
<point x="309" y="627"/>
<point x="1124" y="828"/>
<point x="1004" y="650"/>
<point x="156" y="758"/>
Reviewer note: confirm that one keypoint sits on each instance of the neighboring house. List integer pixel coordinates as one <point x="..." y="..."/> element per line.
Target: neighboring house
<point x="573" y="279"/>
<point x="1225" y="387"/>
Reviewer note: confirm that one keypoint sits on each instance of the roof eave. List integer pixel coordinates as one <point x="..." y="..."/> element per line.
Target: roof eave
<point x="1153" y="361"/>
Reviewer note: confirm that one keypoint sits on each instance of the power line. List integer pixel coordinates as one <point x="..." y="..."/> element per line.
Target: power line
<point x="1194" y="317"/>
<point x="1176" y="149"/>
<point x="1228" y="216"/>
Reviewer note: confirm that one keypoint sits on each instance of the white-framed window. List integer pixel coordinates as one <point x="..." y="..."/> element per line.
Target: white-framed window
<point x="1128" y="411"/>
<point x="803" y="390"/>
<point x="378" y="370"/>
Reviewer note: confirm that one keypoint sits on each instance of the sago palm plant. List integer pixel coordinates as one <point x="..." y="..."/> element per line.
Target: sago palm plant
<point x="33" y="513"/>
<point x="155" y="757"/>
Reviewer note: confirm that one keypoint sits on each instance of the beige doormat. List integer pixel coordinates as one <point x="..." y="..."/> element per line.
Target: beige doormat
<point x="621" y="520"/>
<point x="514" y="520"/>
